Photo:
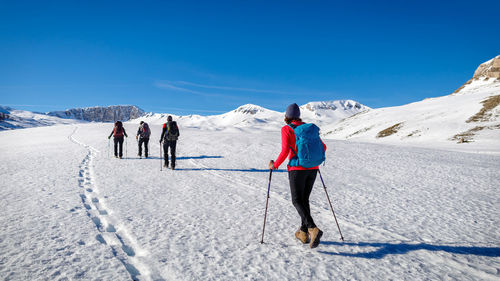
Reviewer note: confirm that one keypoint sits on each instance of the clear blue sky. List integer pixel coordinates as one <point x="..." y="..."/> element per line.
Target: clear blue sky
<point x="207" y="57"/>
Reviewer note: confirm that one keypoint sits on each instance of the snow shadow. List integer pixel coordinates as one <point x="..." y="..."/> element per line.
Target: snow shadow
<point x="230" y="170"/>
<point x="385" y="249"/>
<point x="197" y="157"/>
<point x="177" y="158"/>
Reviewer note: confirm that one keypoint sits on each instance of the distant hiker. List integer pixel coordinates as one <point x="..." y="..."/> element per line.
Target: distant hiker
<point x="118" y="133"/>
<point x="143" y="134"/>
<point x="301" y="170"/>
<point x="169" y="136"/>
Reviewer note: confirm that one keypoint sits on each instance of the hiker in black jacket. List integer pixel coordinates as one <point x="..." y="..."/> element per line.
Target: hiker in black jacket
<point x="169" y="136"/>
<point x="142" y="136"/>
<point x="118" y="133"/>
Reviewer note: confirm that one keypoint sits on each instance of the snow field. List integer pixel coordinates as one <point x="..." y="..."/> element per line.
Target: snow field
<point x="70" y="211"/>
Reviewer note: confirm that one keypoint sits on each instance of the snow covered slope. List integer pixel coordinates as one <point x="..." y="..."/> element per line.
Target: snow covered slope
<point x="17" y="119"/>
<point x="70" y="212"/>
<point x="468" y="119"/>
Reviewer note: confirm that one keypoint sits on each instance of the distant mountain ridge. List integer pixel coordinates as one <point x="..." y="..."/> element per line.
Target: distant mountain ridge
<point x="101" y="114"/>
<point x="254" y="116"/>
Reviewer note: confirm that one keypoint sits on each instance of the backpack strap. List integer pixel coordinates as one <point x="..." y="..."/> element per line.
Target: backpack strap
<point x="293" y="128"/>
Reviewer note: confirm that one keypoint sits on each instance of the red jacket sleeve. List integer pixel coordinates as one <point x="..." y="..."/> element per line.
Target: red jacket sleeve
<point x="285" y="146"/>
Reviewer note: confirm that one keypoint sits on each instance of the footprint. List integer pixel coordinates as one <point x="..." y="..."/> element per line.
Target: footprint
<point x="87" y="206"/>
<point x="97" y="222"/>
<point x="103" y="212"/>
<point x="110" y="228"/>
<point x="95" y="200"/>
<point x="128" y="250"/>
<point x="99" y="238"/>
<point x="89" y="190"/>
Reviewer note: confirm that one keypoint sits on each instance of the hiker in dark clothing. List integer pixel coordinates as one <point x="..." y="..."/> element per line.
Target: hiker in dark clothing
<point x="169" y="136"/>
<point x="301" y="178"/>
<point x="142" y="136"/>
<point x="118" y="133"/>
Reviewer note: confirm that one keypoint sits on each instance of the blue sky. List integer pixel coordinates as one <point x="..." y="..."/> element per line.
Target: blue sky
<point x="209" y="57"/>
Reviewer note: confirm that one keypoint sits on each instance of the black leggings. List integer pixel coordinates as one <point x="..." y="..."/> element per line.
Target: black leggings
<point x="118" y="141"/>
<point x="301" y="184"/>
<point x="145" y="141"/>
<point x="166" y="145"/>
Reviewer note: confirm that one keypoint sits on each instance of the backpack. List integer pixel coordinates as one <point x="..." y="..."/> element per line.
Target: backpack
<point x="145" y="133"/>
<point x="172" y="131"/>
<point x="309" y="150"/>
<point x="118" y="130"/>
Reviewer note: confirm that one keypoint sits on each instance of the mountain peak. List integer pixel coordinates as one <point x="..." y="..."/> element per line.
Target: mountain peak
<point x="333" y="105"/>
<point x="249" y="109"/>
<point x="485" y="71"/>
<point x="489" y="69"/>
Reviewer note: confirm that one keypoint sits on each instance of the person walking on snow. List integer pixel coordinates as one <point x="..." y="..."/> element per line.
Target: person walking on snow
<point x="169" y="136"/>
<point x="301" y="178"/>
<point x="143" y="134"/>
<point x="118" y="133"/>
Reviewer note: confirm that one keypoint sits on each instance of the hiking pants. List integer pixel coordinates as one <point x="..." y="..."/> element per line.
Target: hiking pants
<point x="118" y="140"/>
<point x="301" y="184"/>
<point x="172" y="145"/>
<point x="145" y="141"/>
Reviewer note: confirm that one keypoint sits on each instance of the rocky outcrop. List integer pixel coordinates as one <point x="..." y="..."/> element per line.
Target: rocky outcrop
<point x="489" y="69"/>
<point x="101" y="114"/>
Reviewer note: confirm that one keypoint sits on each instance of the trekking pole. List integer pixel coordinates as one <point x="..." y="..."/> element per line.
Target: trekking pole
<point x="161" y="159"/>
<point x="126" y="147"/>
<point x="267" y="201"/>
<point x="328" y="197"/>
<point x="108" y="146"/>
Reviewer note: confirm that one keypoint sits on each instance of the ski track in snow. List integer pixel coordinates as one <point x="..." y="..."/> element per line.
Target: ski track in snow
<point x="111" y="231"/>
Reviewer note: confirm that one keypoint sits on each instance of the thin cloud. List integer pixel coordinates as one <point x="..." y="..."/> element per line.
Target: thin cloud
<point x="227" y="88"/>
<point x="164" y="85"/>
<point x="168" y="85"/>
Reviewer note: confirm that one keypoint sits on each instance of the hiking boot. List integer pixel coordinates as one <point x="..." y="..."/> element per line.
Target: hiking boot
<point x="173" y="168"/>
<point x="165" y="165"/>
<point x="302" y="236"/>
<point x="315" y="234"/>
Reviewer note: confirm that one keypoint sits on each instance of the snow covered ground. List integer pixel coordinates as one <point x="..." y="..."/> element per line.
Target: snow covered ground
<point x="69" y="211"/>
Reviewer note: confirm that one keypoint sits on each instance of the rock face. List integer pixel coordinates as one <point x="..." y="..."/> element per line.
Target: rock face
<point x="101" y="114"/>
<point x="489" y="69"/>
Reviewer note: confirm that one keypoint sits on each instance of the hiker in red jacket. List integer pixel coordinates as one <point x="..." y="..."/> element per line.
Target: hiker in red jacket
<point x="301" y="179"/>
<point x="118" y="133"/>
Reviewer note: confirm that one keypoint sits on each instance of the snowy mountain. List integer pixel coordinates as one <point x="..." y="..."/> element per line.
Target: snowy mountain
<point x="101" y="114"/>
<point x="329" y="112"/>
<point x="470" y="115"/>
<point x="257" y="117"/>
<point x="17" y="119"/>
